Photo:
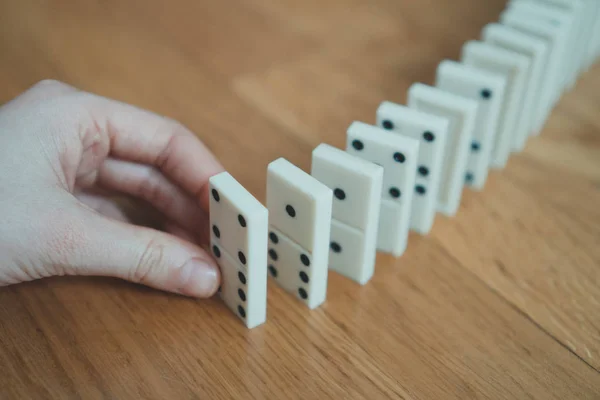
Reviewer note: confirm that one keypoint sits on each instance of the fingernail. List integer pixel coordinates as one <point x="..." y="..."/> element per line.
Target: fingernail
<point x="198" y="278"/>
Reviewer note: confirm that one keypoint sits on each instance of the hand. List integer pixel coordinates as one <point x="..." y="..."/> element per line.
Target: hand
<point x="60" y="149"/>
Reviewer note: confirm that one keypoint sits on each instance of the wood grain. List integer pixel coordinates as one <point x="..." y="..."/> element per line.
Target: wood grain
<point x="500" y="301"/>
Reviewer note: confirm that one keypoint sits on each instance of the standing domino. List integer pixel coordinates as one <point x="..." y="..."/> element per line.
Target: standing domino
<point x="538" y="50"/>
<point x="239" y="243"/>
<point x="488" y="90"/>
<point x="565" y="19"/>
<point x="299" y="230"/>
<point x="554" y="34"/>
<point x="583" y="12"/>
<point x="594" y="36"/>
<point x="356" y="186"/>
<point x="513" y="66"/>
<point x="398" y="157"/>
<point x="431" y="132"/>
<point x="461" y="114"/>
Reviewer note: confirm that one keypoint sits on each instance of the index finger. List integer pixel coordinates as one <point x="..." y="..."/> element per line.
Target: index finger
<point x="141" y="136"/>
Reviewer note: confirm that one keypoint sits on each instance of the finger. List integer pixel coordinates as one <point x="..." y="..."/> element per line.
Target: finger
<point x="86" y="243"/>
<point x="178" y="231"/>
<point x="149" y="184"/>
<point x="43" y="90"/>
<point x="143" y="137"/>
<point x="102" y="205"/>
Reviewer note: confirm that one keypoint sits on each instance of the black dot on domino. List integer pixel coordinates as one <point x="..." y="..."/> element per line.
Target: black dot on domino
<point x="303" y="277"/>
<point x="273" y="271"/>
<point x="242" y="257"/>
<point x="242" y="221"/>
<point x="303" y="293"/>
<point x="423" y="171"/>
<point x="335" y="247"/>
<point x="241" y="311"/>
<point x="242" y="277"/>
<point x="274" y="238"/>
<point x="420" y="189"/>
<point x="216" y="231"/>
<point x="216" y="252"/>
<point x="358" y="145"/>
<point x="339" y="194"/>
<point x="387" y="124"/>
<point x="290" y="211"/>
<point x="273" y="255"/>
<point x="399" y="157"/>
<point x="428" y="136"/>
<point x="395" y="192"/>
<point x="475" y="146"/>
<point x="305" y="260"/>
<point x="241" y="294"/>
<point x="469" y="177"/>
<point x="215" y="195"/>
<point x="486" y="93"/>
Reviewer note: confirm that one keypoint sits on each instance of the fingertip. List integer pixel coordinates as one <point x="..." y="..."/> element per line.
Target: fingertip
<point x="199" y="278"/>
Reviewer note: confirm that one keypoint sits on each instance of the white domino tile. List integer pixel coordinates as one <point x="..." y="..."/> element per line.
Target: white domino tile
<point x="398" y="156"/>
<point x="556" y="37"/>
<point x="584" y="15"/>
<point x="488" y="90"/>
<point x="537" y="50"/>
<point x="300" y="209"/>
<point x="239" y="226"/>
<point x="353" y="182"/>
<point x="514" y="67"/>
<point x="592" y="37"/>
<point x="432" y="132"/>
<point x="356" y="186"/>
<point x="295" y="269"/>
<point x="353" y="252"/>
<point x="565" y="19"/>
<point x="461" y="114"/>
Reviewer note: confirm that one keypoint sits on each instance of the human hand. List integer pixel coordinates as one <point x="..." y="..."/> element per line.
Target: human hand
<point x="59" y="148"/>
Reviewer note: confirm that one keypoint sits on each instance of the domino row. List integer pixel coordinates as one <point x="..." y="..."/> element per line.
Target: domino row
<point x="413" y="162"/>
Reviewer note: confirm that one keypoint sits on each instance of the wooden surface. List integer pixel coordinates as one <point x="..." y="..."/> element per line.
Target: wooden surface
<point x="501" y="301"/>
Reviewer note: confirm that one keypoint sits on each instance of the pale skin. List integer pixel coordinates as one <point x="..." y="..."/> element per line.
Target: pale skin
<point x="62" y="151"/>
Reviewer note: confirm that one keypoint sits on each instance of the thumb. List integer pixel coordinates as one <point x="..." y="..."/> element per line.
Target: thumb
<point x="100" y="246"/>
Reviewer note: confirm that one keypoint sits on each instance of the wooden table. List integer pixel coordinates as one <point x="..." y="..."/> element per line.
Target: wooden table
<point x="501" y="301"/>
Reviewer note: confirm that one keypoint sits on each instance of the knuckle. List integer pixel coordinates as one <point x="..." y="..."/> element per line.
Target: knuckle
<point x="49" y="84"/>
<point x="152" y="260"/>
<point x="177" y="134"/>
<point x="152" y="190"/>
<point x="175" y="127"/>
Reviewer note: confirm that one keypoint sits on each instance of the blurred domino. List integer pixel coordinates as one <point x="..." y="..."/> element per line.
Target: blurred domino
<point x="431" y="132"/>
<point x="488" y="90"/>
<point x="566" y="19"/>
<point x="583" y="14"/>
<point x="535" y="48"/>
<point x="594" y="38"/>
<point x="398" y="156"/>
<point x="556" y="37"/>
<point x="461" y="114"/>
<point x="299" y="231"/>
<point x="239" y="243"/>
<point x="356" y="186"/>
<point x="514" y="67"/>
